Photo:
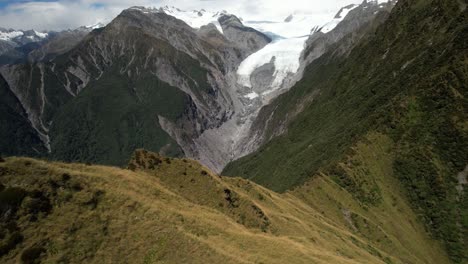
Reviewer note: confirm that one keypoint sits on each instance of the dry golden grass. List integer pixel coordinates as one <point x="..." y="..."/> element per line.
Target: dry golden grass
<point x="177" y="211"/>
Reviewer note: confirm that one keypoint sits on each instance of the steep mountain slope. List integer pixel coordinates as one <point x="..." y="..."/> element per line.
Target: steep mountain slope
<point x="21" y="137"/>
<point x="177" y="211"/>
<point x="124" y="75"/>
<point x="146" y="57"/>
<point x="290" y="57"/>
<point x="9" y="38"/>
<point x="406" y="79"/>
<point x="17" y="46"/>
<point x="57" y="44"/>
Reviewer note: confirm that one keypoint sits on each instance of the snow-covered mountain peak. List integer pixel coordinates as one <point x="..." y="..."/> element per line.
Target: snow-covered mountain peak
<point x="10" y="34"/>
<point x="16" y="35"/>
<point x="41" y="34"/>
<point x="194" y="18"/>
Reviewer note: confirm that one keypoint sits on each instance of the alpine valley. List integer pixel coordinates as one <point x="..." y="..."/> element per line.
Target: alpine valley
<point x="343" y="141"/>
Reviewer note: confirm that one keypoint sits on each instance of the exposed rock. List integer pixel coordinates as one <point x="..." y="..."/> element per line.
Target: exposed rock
<point x="353" y="27"/>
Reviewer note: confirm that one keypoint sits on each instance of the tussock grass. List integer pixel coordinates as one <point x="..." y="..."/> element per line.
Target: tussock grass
<point x="177" y="211"/>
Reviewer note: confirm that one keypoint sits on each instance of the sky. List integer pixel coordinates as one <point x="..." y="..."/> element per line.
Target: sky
<point x="45" y="15"/>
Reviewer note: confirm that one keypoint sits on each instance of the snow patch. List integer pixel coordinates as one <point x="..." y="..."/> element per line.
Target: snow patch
<point x="338" y="18"/>
<point x="251" y="95"/>
<point x="10" y="35"/>
<point x="295" y="25"/>
<point x="40" y="34"/>
<point x="195" y="18"/>
<point x="96" y="25"/>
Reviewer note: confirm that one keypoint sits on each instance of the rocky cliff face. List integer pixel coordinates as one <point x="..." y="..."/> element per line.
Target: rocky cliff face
<point x="155" y="55"/>
<point x="147" y="57"/>
<point x="264" y="80"/>
<point x="180" y="77"/>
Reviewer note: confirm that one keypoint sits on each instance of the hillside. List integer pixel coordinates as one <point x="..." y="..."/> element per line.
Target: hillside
<point x="164" y="210"/>
<point x="95" y="94"/>
<point x="146" y="80"/>
<point x="357" y="134"/>
<point x="406" y="80"/>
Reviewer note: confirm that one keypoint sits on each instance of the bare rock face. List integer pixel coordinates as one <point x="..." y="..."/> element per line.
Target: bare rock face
<point x="246" y="38"/>
<point x="140" y="46"/>
<point x="262" y="77"/>
<point x="58" y="44"/>
<point x="367" y="15"/>
<point x="144" y="55"/>
<point x="6" y="46"/>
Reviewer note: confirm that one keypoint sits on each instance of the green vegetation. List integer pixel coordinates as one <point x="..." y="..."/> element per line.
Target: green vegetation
<point x="168" y="210"/>
<point x="119" y="111"/>
<point x="406" y="79"/>
<point x="18" y="134"/>
<point x="113" y="117"/>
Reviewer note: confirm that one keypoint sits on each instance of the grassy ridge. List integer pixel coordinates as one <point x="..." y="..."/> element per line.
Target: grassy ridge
<point x="166" y="210"/>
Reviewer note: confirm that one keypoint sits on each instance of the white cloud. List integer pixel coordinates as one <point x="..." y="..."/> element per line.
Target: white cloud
<point x="64" y="14"/>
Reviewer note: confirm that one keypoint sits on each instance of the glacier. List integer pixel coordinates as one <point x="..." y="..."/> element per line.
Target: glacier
<point x="285" y="54"/>
<point x="290" y="36"/>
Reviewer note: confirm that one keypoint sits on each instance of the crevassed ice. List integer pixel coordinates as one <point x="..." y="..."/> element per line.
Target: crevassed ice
<point x="284" y="52"/>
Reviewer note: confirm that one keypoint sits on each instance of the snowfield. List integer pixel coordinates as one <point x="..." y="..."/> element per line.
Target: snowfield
<point x="284" y="52"/>
<point x="10" y="35"/>
<point x="40" y="34"/>
<point x="196" y="18"/>
<point x="289" y="37"/>
<point x="295" y="25"/>
<point x="338" y="18"/>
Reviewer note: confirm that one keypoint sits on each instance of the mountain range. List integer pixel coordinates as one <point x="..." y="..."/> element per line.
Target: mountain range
<point x="350" y="137"/>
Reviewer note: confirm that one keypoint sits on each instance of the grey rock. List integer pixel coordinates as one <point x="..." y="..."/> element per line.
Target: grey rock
<point x="347" y="34"/>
